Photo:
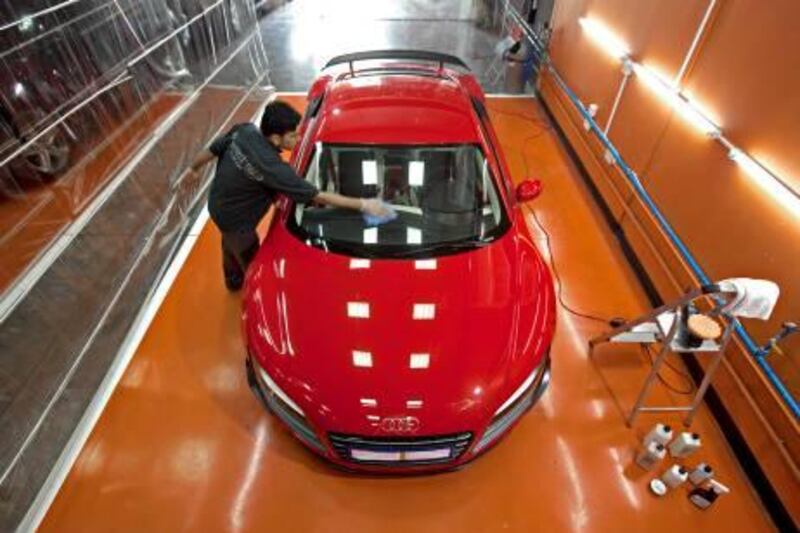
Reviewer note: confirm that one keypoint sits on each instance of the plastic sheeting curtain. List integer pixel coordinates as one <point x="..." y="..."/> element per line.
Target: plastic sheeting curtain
<point x="102" y="106"/>
<point x="82" y="84"/>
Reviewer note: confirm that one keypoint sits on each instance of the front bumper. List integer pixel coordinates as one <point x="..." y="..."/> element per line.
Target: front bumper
<point x="394" y="454"/>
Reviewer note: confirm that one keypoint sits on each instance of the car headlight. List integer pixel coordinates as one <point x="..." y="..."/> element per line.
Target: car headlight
<point x="273" y="387"/>
<point x="287" y="410"/>
<point x="516" y="404"/>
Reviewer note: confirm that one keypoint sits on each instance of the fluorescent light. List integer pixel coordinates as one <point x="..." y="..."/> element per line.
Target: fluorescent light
<point x="605" y="38"/>
<point x="370" y="235"/>
<point x="414" y="404"/>
<point x="280" y="268"/>
<point x="425" y="264"/>
<point x="356" y="264"/>
<point x="416" y="173"/>
<point x="362" y="359"/>
<point x="369" y="172"/>
<point x="665" y="90"/>
<point x="419" y="360"/>
<point x="424" y="311"/>
<point x="358" y="309"/>
<point x="700" y="108"/>
<point x="413" y="236"/>
<point x="780" y="192"/>
<point x="695" y="117"/>
<point x="26" y="23"/>
<point x="369" y="402"/>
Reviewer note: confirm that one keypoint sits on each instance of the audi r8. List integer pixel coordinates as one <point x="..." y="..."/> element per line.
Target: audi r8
<point x="415" y="344"/>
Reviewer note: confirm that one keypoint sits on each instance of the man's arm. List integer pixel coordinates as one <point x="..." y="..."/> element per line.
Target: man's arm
<point x="261" y="165"/>
<point x="215" y="149"/>
<point x="371" y="206"/>
<point x="201" y="160"/>
<point x="337" y="200"/>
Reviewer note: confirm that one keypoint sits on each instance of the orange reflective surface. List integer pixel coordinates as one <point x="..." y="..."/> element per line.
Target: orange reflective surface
<point x="30" y="221"/>
<point x="184" y="445"/>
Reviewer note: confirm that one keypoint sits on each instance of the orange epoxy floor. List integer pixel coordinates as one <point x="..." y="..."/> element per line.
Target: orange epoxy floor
<point x="183" y="444"/>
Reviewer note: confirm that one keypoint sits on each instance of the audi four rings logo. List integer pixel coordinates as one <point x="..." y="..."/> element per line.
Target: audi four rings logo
<point x="399" y="424"/>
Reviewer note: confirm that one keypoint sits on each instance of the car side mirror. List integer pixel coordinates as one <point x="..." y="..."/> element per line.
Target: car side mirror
<point x="528" y="190"/>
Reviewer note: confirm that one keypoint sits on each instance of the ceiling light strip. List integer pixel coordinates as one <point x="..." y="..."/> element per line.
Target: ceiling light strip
<point x="692" y="112"/>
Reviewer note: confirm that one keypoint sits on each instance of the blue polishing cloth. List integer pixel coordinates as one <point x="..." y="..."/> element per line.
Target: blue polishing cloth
<point x="371" y="220"/>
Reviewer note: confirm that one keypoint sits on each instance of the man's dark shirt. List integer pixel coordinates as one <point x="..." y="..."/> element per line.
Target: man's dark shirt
<point x="250" y="172"/>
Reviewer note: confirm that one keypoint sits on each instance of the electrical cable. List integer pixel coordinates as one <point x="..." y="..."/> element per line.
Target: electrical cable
<point x="553" y="267"/>
<point x="614" y="321"/>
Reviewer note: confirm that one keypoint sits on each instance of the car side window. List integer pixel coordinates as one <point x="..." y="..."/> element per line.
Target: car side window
<point x="483" y="117"/>
<point x="313" y="108"/>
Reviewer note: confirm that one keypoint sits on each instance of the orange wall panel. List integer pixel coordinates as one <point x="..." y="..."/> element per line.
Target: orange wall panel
<point x="733" y="229"/>
<point x="638" y="126"/>
<point x="749" y="75"/>
<point x="746" y="73"/>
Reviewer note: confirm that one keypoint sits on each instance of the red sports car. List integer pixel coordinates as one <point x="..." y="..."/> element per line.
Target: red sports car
<point x="412" y="345"/>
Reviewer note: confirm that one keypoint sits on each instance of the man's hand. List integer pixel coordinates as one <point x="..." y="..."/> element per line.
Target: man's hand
<point x="374" y="207"/>
<point x="190" y="175"/>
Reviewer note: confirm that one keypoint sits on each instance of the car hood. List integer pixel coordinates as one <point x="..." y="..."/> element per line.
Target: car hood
<point x="493" y="319"/>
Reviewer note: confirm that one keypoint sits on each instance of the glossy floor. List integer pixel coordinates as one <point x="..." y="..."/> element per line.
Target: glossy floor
<point x="184" y="445"/>
<point x="302" y="35"/>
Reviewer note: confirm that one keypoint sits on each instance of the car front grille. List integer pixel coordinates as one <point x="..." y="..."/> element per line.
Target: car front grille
<point x="400" y="451"/>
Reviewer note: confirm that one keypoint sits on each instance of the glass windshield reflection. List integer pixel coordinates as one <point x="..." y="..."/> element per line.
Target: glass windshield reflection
<point x="445" y="198"/>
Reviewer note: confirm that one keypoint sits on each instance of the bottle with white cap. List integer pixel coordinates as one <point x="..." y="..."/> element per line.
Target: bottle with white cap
<point x="684" y="444"/>
<point x="675" y="476"/>
<point x="652" y="454"/>
<point x="661" y="433"/>
<point x="701" y="473"/>
<point x="705" y="497"/>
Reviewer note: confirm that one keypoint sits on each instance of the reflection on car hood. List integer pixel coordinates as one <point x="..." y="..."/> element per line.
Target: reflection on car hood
<point x="481" y="319"/>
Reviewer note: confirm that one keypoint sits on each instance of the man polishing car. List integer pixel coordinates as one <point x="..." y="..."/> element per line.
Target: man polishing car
<point x="249" y="174"/>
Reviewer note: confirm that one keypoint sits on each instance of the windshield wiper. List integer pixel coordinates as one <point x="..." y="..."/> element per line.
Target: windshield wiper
<point x="381" y="252"/>
<point x="467" y="244"/>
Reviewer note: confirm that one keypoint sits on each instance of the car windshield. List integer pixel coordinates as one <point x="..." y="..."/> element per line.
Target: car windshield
<point x="445" y="198"/>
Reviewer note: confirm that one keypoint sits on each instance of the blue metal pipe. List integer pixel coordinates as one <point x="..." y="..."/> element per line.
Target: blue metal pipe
<point x="776" y="381"/>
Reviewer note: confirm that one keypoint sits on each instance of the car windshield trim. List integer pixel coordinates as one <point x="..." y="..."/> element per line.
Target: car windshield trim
<point x="446" y="198"/>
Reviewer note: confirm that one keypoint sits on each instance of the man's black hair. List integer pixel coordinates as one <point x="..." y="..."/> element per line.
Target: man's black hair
<point x="279" y="118"/>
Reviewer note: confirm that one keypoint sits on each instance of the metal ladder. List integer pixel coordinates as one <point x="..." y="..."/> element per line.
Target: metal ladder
<point x="665" y="325"/>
